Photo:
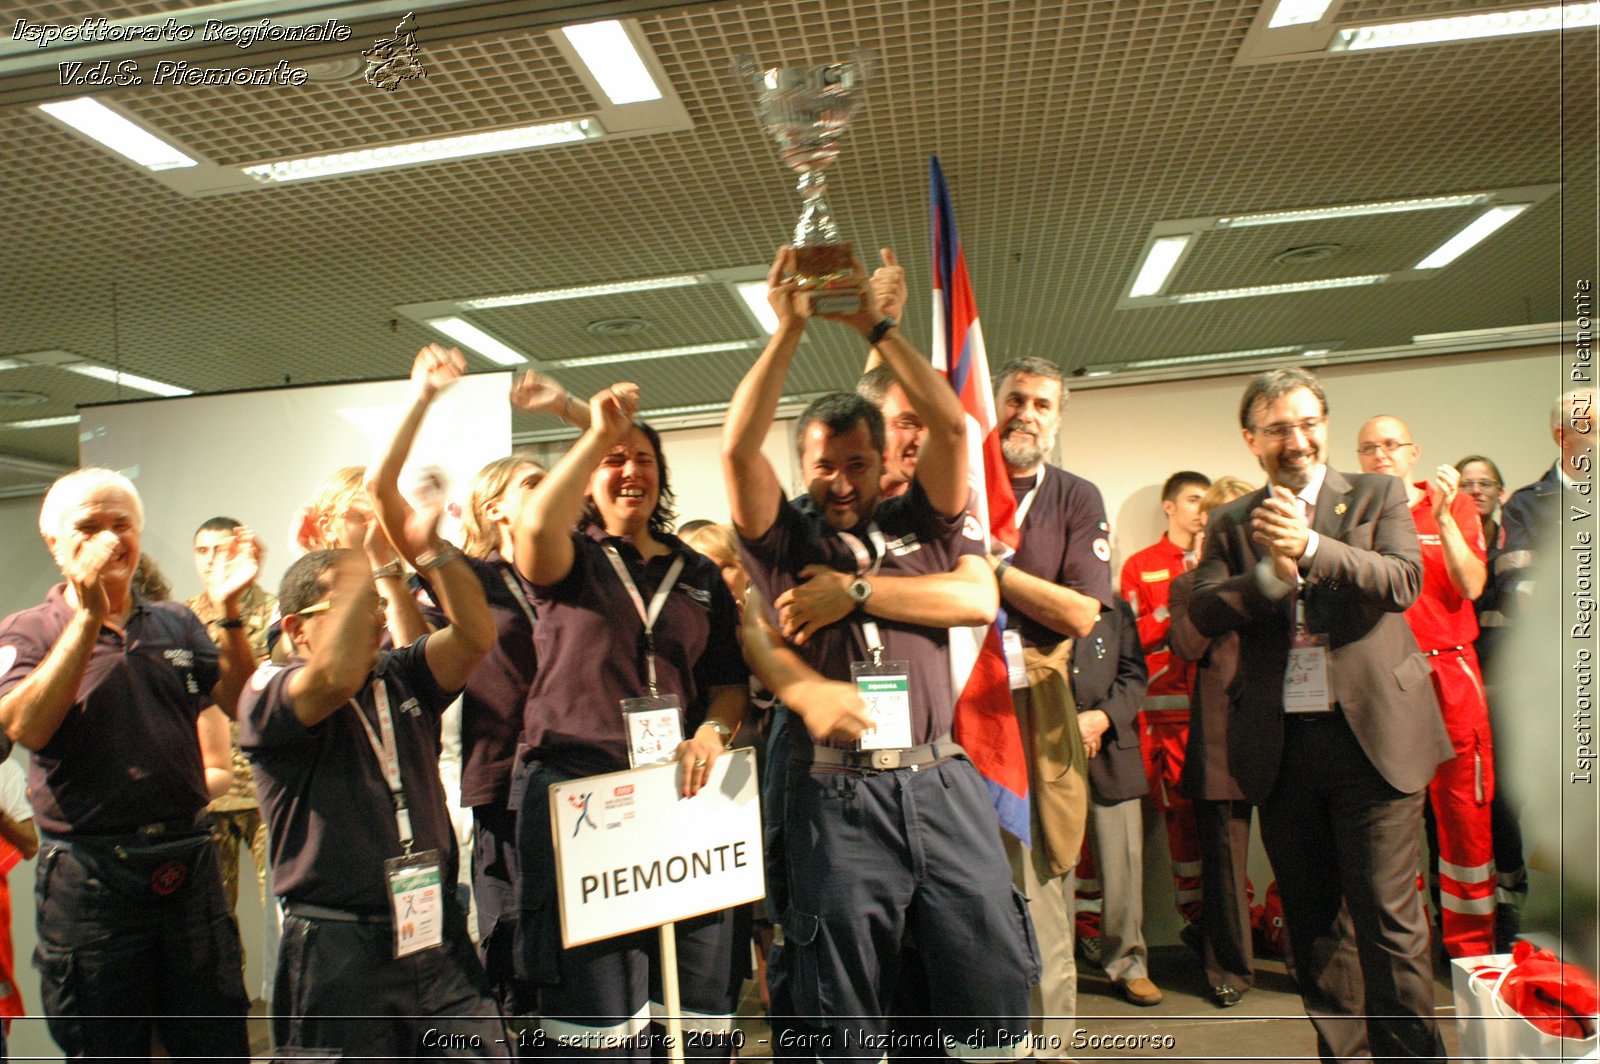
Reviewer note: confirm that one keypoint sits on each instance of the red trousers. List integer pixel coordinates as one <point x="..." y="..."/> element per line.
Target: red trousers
<point x="1460" y="793"/>
<point x="1163" y="737"/>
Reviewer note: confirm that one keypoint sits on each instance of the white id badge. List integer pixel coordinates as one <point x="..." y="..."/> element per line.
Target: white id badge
<point x="416" y="894"/>
<point x="655" y="728"/>
<point x="1011" y="639"/>
<point x="886" y="689"/>
<point x="1305" y="682"/>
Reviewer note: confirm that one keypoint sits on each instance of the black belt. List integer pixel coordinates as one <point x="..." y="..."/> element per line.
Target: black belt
<point x="307" y="911"/>
<point x="1316" y="718"/>
<point x="880" y="760"/>
<point x="199" y="822"/>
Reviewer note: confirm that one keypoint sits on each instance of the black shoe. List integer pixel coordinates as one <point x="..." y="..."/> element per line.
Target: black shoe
<point x="1225" y="997"/>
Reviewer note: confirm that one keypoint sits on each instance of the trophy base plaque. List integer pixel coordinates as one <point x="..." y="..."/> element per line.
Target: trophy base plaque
<point x="818" y="267"/>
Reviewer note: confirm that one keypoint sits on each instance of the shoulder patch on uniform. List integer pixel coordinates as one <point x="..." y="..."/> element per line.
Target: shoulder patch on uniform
<point x="8" y="658"/>
<point x="263" y="676"/>
<point x="1102" y="549"/>
<point x="971" y="529"/>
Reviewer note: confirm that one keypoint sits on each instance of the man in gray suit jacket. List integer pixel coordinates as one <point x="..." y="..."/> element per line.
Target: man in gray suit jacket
<point x="1333" y="727"/>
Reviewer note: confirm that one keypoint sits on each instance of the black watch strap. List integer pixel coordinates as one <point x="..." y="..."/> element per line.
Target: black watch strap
<point x="880" y="330"/>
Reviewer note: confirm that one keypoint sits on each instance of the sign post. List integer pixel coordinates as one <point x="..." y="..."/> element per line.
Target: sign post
<point x="632" y="854"/>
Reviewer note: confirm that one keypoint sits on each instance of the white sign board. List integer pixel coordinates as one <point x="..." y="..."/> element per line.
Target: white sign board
<point x="632" y="854"/>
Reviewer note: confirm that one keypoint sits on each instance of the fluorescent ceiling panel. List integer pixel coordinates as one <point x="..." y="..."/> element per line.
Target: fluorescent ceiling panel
<point x="582" y="291"/>
<point x="659" y="352"/>
<point x="126" y="380"/>
<point x="1475" y="233"/>
<point x="1467" y="27"/>
<point x="1159" y="262"/>
<point x="1297" y="12"/>
<point x="609" y="53"/>
<point x="464" y="332"/>
<point x="97" y="121"/>
<point x="41" y="422"/>
<point x="519" y="138"/>
<point x="1278" y="289"/>
<point x="754" y="295"/>
<point x="1352" y="210"/>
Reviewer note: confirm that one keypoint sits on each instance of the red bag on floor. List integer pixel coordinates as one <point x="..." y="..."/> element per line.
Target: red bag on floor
<point x="1559" y="999"/>
<point x="1266" y="925"/>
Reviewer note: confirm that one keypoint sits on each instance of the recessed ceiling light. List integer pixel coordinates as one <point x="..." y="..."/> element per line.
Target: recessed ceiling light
<point x="1159" y="262"/>
<point x="660" y="352"/>
<point x="1278" y="289"/>
<point x="1213" y="356"/>
<point x="609" y="53"/>
<point x="1466" y="27"/>
<point x="583" y="291"/>
<point x="41" y="422"/>
<point x="97" y="121"/>
<point x="126" y="380"/>
<point x="464" y="332"/>
<point x="1353" y="210"/>
<point x="1477" y="231"/>
<point x="427" y="151"/>
<point x="1297" y="12"/>
<point x="754" y="295"/>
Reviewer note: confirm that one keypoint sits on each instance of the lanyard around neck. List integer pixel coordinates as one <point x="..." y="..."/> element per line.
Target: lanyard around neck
<point x="648" y="616"/>
<point x="517" y="593"/>
<point x="387" y="751"/>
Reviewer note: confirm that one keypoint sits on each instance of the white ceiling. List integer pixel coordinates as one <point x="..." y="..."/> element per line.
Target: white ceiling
<point x="1067" y="132"/>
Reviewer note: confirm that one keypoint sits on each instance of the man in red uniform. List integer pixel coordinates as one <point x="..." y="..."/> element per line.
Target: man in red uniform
<point x="1164" y="723"/>
<point x="1443" y="621"/>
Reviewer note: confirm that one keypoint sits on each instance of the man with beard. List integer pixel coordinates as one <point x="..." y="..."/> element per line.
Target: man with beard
<point x="890" y="831"/>
<point x="1053" y="587"/>
<point x="1333" y="728"/>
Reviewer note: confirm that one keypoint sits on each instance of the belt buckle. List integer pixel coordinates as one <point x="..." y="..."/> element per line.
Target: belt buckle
<point x="885" y="759"/>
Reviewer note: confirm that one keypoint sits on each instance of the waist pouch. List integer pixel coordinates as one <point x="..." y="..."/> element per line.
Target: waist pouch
<point x="143" y="869"/>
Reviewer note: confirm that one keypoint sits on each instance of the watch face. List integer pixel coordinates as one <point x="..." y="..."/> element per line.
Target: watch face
<point x="859" y="590"/>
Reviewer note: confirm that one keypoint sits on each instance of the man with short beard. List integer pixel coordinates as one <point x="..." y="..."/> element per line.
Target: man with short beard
<point x="1333" y="729"/>
<point x="1053" y="588"/>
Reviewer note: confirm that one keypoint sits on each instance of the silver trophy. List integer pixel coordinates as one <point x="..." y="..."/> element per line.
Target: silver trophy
<point x="807" y="110"/>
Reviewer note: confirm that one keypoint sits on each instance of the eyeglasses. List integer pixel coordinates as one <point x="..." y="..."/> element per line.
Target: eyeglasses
<point x="1481" y="485"/>
<point x="1367" y="450"/>
<point x="1283" y="430"/>
<point x="327" y="604"/>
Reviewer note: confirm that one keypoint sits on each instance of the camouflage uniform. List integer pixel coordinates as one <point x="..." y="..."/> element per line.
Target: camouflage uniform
<point x="235" y="817"/>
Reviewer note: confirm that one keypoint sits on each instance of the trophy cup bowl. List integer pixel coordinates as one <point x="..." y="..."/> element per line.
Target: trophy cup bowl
<point x="807" y="111"/>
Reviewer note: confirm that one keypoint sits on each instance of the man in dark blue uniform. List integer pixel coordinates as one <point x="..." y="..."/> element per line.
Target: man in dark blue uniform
<point x="898" y="835"/>
<point x="344" y="741"/>
<point x="115" y="696"/>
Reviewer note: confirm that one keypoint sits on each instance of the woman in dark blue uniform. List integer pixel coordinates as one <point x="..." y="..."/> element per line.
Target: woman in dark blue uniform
<point x="626" y="609"/>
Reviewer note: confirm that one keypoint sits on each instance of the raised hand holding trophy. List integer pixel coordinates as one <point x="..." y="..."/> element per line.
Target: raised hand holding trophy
<point x="807" y="111"/>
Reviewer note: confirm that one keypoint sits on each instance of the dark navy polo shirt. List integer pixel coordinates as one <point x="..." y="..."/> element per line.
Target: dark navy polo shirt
<point x="1065" y="540"/>
<point x="126" y="753"/>
<point x="919" y="541"/>
<point x="330" y="818"/>
<point x="590" y="645"/>
<point x="491" y="705"/>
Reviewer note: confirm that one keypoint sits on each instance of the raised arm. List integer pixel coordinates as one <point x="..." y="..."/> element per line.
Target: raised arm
<point x="534" y="393"/>
<point x="433" y="370"/>
<point x="33" y="710"/>
<point x="1460" y="534"/>
<point x="753" y="488"/>
<point x="343" y="657"/>
<point x="542" y="530"/>
<point x="942" y="461"/>
<point x="238" y="564"/>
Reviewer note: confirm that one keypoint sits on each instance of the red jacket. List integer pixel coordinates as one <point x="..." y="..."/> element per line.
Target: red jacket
<point x="1146" y="579"/>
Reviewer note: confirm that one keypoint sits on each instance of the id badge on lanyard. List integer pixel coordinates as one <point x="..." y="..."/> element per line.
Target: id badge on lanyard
<point x="1305" y="681"/>
<point x="654" y="723"/>
<point x="416" y="897"/>
<point x="414" y="880"/>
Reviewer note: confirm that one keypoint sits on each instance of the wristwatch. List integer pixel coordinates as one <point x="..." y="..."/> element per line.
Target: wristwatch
<point x="860" y="590"/>
<point x="721" y="729"/>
